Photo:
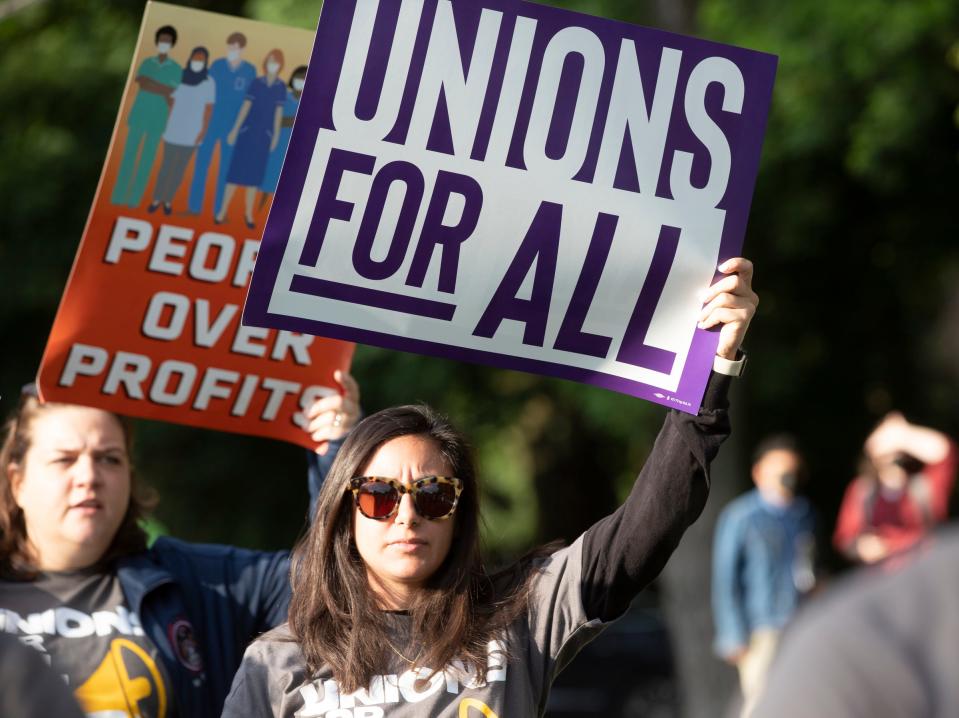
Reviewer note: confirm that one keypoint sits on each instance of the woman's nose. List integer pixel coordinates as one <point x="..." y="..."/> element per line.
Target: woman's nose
<point x="84" y="470"/>
<point x="406" y="513"/>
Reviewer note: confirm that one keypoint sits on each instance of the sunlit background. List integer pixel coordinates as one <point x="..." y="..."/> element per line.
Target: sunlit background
<point x="853" y="230"/>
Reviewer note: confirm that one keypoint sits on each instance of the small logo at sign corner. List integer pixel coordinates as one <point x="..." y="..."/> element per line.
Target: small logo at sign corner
<point x="670" y="397"/>
<point x="184" y="644"/>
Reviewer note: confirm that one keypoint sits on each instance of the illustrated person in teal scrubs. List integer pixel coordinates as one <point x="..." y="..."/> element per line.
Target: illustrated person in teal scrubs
<point x="275" y="163"/>
<point x="156" y="77"/>
<point x="255" y="134"/>
<point x="232" y="75"/>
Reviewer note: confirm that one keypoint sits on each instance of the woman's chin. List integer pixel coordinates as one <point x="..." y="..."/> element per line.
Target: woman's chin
<point x="90" y="539"/>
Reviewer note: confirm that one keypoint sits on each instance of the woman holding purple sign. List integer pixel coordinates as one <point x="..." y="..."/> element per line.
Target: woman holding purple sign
<point x="395" y="613"/>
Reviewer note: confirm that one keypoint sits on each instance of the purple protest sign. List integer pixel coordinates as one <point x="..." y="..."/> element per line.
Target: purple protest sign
<point x="507" y="183"/>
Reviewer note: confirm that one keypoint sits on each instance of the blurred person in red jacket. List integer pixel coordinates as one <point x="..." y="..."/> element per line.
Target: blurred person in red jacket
<point x="906" y="478"/>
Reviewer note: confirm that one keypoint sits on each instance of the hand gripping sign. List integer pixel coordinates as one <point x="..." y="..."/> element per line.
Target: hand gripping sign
<point x="149" y="324"/>
<point x="508" y="183"/>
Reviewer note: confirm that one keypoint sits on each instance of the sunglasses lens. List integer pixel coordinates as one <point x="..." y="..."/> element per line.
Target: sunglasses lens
<point x="434" y="501"/>
<point x="376" y="500"/>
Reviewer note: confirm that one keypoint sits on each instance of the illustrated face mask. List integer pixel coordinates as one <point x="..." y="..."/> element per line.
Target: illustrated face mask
<point x="233" y="54"/>
<point x="272" y="67"/>
<point x="197" y="65"/>
<point x="298" y="84"/>
<point x="163" y="47"/>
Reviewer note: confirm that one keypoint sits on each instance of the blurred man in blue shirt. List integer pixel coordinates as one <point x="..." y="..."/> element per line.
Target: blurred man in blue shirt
<point x="762" y="563"/>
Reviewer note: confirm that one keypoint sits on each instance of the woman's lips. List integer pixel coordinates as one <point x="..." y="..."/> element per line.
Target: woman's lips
<point x="87" y="506"/>
<point x="408" y="544"/>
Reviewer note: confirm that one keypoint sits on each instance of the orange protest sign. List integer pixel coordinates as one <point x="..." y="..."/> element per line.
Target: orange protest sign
<point x="149" y="323"/>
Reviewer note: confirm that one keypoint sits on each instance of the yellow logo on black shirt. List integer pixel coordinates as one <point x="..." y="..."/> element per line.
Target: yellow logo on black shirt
<point x="468" y="703"/>
<point x="127" y="682"/>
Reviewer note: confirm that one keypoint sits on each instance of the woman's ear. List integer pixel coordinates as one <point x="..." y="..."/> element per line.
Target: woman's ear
<point x="15" y="477"/>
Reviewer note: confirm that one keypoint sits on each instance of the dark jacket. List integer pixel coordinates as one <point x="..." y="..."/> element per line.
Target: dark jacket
<point x="202" y="604"/>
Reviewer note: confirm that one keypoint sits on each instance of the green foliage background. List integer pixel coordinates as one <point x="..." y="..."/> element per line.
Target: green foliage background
<point x="853" y="231"/>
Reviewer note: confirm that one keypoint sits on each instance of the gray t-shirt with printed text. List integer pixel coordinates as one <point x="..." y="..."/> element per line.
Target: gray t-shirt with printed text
<point x="273" y="679"/>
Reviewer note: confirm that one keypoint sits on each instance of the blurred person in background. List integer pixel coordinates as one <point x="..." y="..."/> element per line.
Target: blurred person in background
<point x="906" y="479"/>
<point x="882" y="645"/>
<point x="762" y="563"/>
<point x="136" y="630"/>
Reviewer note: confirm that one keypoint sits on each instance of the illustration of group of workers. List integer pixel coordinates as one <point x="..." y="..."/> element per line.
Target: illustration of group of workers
<point x="197" y="108"/>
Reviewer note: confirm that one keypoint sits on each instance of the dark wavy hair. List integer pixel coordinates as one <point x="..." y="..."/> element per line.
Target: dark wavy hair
<point x="17" y="560"/>
<point x="335" y="615"/>
<point x="166" y="30"/>
<point x="298" y="72"/>
<point x="778" y="442"/>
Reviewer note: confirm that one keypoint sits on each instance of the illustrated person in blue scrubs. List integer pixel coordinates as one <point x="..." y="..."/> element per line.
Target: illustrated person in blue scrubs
<point x="255" y="134"/>
<point x="275" y="163"/>
<point x="157" y="78"/>
<point x="232" y="76"/>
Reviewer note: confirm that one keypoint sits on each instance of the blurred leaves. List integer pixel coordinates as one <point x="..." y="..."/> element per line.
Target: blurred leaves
<point x="295" y="13"/>
<point x="60" y="84"/>
<point x="853" y="226"/>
